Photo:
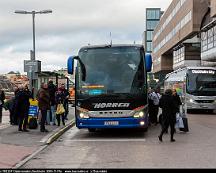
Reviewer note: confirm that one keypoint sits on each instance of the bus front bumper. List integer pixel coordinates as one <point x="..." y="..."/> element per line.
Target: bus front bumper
<point x="201" y="106"/>
<point x="103" y="123"/>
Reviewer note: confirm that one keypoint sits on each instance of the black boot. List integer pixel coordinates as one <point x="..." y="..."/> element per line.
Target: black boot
<point x="160" y="138"/>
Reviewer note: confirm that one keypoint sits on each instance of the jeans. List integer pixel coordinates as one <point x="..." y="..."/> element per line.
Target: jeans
<point x="0" y="114"/>
<point x="48" y="117"/>
<point x="52" y="112"/>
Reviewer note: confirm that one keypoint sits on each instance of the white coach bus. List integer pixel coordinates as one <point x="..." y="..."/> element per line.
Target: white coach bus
<point x="196" y="87"/>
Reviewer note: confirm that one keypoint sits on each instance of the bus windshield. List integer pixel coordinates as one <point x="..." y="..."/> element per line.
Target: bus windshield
<point x="201" y="82"/>
<point x="112" y="71"/>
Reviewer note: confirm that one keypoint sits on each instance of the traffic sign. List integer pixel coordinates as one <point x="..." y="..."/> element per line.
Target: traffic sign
<point x="32" y="66"/>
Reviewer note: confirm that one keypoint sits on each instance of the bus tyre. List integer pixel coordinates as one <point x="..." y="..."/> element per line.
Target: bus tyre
<point x="144" y="129"/>
<point x="91" y="130"/>
<point x="189" y="111"/>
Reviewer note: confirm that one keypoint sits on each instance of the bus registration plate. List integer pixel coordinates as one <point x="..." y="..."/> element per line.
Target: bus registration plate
<point x="111" y="123"/>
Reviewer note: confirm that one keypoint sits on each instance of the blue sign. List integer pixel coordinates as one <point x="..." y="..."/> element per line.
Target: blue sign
<point x="33" y="111"/>
<point x="95" y="92"/>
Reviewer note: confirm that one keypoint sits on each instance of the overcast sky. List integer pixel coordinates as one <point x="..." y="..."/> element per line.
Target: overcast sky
<point x="73" y="24"/>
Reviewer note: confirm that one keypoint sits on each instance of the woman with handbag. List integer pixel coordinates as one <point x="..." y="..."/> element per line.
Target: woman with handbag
<point x="60" y="111"/>
<point x="168" y="111"/>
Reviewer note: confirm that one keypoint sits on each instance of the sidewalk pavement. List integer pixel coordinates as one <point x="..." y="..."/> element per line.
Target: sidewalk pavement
<point x="15" y="146"/>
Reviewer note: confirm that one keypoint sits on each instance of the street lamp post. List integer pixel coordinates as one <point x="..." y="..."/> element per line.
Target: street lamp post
<point x="32" y="56"/>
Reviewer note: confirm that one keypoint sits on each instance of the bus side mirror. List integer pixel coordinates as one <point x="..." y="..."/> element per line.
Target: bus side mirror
<point x="70" y="65"/>
<point x="148" y="62"/>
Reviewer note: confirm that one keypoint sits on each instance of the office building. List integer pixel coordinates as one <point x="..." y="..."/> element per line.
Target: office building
<point x="177" y="37"/>
<point x="152" y="18"/>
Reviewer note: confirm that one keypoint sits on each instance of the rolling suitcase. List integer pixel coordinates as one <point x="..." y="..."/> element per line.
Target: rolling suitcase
<point x="185" y="122"/>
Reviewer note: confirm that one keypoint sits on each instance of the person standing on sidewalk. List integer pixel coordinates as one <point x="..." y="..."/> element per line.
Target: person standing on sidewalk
<point x="2" y="98"/>
<point x="44" y="105"/>
<point x="168" y="114"/>
<point x="52" y="90"/>
<point x="153" y="106"/>
<point x="60" y="97"/>
<point x="10" y="105"/>
<point x="65" y="97"/>
<point x="22" y="108"/>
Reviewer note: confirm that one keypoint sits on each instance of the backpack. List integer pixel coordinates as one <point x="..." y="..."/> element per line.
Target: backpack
<point x="33" y="123"/>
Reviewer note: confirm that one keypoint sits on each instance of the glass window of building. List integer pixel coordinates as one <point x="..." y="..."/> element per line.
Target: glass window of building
<point x="204" y="41"/>
<point x="157" y="14"/>
<point x="149" y="46"/>
<point x="178" y="55"/>
<point x="151" y="24"/>
<point x="151" y="14"/>
<point x="215" y="36"/>
<point x="210" y="38"/>
<point x="149" y="35"/>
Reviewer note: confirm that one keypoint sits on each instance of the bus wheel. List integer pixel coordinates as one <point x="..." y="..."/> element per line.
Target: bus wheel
<point x="189" y="111"/>
<point x="210" y="111"/>
<point x="92" y="130"/>
<point x="144" y="129"/>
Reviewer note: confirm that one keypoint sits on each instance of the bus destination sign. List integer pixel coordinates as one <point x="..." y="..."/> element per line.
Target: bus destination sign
<point x="203" y="72"/>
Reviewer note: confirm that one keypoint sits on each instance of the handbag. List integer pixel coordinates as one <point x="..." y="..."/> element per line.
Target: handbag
<point x="179" y="121"/>
<point x="185" y="121"/>
<point x="60" y="109"/>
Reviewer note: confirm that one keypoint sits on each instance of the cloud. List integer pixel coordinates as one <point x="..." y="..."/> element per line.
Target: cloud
<point x="73" y="24"/>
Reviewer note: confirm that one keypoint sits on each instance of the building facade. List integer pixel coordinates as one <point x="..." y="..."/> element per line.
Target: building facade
<point x="152" y="19"/>
<point x="176" y="39"/>
<point x="208" y="36"/>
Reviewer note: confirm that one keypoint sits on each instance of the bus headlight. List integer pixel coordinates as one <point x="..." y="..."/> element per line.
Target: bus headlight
<point x="83" y="115"/>
<point x="191" y="101"/>
<point x="139" y="114"/>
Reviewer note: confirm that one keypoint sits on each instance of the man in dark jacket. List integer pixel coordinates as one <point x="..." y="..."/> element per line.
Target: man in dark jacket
<point x="22" y="107"/>
<point x="2" y="98"/>
<point x="52" y="90"/>
<point x="10" y="105"/>
<point x="168" y="114"/>
<point x="44" y="105"/>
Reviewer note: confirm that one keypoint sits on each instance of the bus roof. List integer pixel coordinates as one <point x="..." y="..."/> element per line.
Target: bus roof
<point x="113" y="45"/>
<point x="178" y="75"/>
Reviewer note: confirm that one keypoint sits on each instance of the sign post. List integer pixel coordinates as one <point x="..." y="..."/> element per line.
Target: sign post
<point x="32" y="67"/>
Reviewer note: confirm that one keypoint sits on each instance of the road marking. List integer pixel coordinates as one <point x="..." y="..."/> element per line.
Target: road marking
<point x="71" y="137"/>
<point x="106" y="140"/>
